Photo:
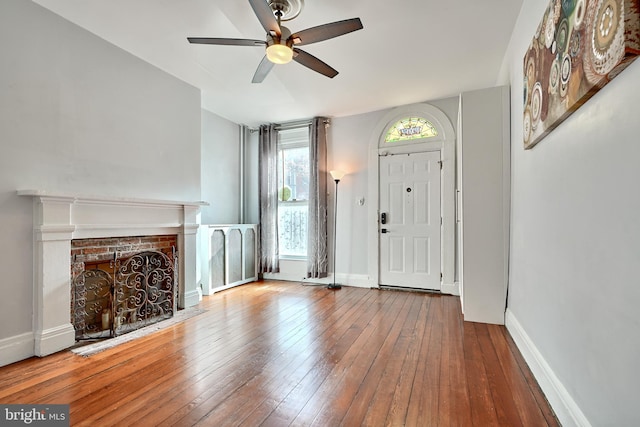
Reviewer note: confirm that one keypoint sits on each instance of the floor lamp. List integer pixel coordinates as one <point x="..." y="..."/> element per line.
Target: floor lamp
<point x="337" y="176"/>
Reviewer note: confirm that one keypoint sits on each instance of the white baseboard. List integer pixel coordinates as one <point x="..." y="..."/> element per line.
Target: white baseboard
<point x="16" y="348"/>
<point x="450" y="289"/>
<point x="566" y="409"/>
<point x="353" y="280"/>
<point x="54" y="339"/>
<point x="291" y="277"/>
<point x="192" y="297"/>
<point x="231" y="285"/>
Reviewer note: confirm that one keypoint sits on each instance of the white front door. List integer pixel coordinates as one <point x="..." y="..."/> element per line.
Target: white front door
<point x="410" y="210"/>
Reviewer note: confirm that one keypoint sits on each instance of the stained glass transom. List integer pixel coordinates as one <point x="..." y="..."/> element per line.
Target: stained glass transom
<point x="411" y="128"/>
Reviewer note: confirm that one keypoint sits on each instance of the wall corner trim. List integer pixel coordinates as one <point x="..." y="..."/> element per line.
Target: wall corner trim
<point x="566" y="409"/>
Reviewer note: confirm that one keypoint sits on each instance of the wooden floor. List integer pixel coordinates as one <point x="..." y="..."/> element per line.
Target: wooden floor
<point x="280" y="353"/>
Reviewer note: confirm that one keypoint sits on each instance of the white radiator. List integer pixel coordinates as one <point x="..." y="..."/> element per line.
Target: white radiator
<point x="231" y="256"/>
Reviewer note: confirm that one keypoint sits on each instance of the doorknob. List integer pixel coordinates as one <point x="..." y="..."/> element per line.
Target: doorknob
<point x="384" y="230"/>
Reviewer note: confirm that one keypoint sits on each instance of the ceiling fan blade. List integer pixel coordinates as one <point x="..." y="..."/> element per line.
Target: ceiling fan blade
<point x="313" y="63"/>
<point x="262" y="71"/>
<point x="265" y="16"/>
<point x="226" y="42"/>
<point x="326" y="31"/>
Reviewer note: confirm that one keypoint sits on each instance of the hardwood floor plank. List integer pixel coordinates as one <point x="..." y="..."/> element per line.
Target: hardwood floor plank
<point x="483" y="411"/>
<point x="305" y="382"/>
<point x="367" y="387"/>
<point x="279" y="353"/>
<point x="280" y="373"/>
<point x="356" y="371"/>
<point x="334" y="387"/>
<point x="242" y="363"/>
<point x="501" y="392"/>
<point x="424" y="400"/>
<point x="380" y="403"/>
<point x="520" y="392"/>
<point x="526" y="388"/>
<point x="460" y="406"/>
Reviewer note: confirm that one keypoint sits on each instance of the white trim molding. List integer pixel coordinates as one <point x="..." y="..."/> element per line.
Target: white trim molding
<point x="351" y="280"/>
<point x="451" y="289"/>
<point x="566" y="409"/>
<point x="355" y="280"/>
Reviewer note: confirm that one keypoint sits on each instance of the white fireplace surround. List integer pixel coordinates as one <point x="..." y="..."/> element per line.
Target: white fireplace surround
<point x="58" y="218"/>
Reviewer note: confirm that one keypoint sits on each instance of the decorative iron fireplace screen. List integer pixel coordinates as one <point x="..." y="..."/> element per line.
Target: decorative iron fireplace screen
<point x="138" y="291"/>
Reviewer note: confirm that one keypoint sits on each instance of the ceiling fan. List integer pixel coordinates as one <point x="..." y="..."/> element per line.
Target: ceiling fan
<point x="281" y="44"/>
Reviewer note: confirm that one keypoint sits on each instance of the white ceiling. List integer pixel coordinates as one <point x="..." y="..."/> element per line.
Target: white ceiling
<point x="409" y="51"/>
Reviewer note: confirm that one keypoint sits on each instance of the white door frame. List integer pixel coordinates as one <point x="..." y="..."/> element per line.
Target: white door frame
<point x="445" y="142"/>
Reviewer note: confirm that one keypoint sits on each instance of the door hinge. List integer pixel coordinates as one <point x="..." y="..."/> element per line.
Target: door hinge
<point x="440" y="220"/>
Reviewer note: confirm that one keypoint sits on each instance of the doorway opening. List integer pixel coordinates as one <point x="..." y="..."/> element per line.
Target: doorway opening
<point x="412" y="160"/>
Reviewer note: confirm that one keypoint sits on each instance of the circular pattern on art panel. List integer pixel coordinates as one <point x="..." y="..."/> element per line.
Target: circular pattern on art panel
<point x="580" y="12"/>
<point x="575" y="45"/>
<point x="536" y="104"/>
<point x="554" y="76"/>
<point x="549" y="31"/>
<point x="562" y="35"/>
<point x="531" y="71"/>
<point x="526" y="125"/>
<point x="568" y="7"/>
<point x="565" y="69"/>
<point x="607" y="36"/>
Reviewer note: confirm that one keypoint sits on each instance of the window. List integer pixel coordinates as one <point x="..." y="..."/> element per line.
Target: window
<point x="411" y="128"/>
<point x="293" y="192"/>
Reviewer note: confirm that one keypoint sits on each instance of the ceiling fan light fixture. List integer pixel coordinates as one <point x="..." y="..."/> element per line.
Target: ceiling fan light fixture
<point x="279" y="53"/>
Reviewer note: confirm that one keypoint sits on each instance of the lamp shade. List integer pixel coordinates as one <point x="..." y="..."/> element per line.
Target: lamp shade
<point x="279" y="53"/>
<point x="336" y="175"/>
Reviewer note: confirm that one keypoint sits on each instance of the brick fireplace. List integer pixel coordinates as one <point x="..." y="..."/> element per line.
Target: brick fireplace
<point x="120" y="284"/>
<point x="60" y="219"/>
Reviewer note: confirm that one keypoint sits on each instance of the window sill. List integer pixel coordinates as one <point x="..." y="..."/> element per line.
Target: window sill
<point x="292" y="258"/>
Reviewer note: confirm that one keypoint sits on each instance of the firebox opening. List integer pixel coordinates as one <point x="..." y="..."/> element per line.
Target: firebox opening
<point x="119" y="285"/>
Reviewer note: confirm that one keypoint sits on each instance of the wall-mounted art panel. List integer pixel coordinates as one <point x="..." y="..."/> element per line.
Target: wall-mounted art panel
<point x="579" y="47"/>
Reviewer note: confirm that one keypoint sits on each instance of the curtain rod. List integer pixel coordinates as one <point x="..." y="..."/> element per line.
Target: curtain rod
<point x="291" y="125"/>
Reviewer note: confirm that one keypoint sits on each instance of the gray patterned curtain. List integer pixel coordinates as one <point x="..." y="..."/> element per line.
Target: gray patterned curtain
<point x="268" y="211"/>
<point x="317" y="224"/>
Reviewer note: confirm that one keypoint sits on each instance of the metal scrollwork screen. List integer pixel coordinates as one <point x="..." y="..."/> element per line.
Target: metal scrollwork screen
<point x="140" y="290"/>
<point x="91" y="303"/>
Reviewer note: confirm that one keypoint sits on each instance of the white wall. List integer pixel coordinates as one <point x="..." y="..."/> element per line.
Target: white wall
<point x="575" y="247"/>
<point x="79" y="115"/>
<point x="220" y="170"/>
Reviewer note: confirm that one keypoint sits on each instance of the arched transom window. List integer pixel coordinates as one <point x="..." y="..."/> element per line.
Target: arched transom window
<point x="410" y="128"/>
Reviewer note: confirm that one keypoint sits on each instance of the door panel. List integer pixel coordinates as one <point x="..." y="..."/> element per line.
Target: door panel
<point x="410" y="196"/>
<point x="396" y="255"/>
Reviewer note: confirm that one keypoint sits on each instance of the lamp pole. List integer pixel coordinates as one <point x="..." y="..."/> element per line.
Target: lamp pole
<point x="337" y="175"/>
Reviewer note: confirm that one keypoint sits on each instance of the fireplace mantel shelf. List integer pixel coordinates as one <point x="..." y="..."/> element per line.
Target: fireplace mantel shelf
<point x="71" y="197"/>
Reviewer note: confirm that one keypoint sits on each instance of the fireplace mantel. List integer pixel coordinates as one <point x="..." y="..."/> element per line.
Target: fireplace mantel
<point x="59" y="218"/>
